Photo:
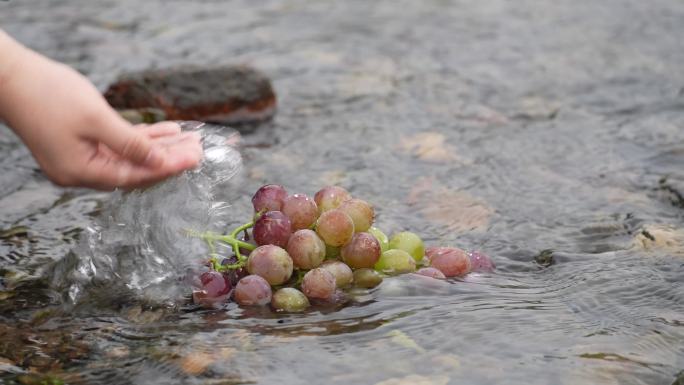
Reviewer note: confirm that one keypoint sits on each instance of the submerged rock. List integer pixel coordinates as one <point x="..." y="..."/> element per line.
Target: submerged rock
<point x="658" y="237"/>
<point x="228" y="95"/>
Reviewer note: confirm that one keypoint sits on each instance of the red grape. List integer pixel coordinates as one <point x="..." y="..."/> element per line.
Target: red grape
<point x="215" y="288"/>
<point x="306" y="249"/>
<point x="269" y="198"/>
<point x="431" y="272"/>
<point x="301" y="210"/>
<point x="361" y="213"/>
<point x="335" y="227"/>
<point x="272" y="228"/>
<point x="362" y="251"/>
<point x="252" y="290"/>
<point x="343" y="274"/>
<point x="271" y="263"/>
<point x="480" y="262"/>
<point x="451" y="261"/>
<point x="330" y="197"/>
<point x="319" y="284"/>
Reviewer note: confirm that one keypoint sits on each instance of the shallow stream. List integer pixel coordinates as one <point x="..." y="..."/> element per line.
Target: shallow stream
<point x="549" y="135"/>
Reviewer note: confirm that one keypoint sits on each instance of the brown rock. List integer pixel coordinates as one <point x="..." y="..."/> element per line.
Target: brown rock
<point x="228" y="95"/>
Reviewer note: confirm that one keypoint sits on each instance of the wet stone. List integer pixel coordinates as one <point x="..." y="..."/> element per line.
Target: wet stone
<point x="227" y="95"/>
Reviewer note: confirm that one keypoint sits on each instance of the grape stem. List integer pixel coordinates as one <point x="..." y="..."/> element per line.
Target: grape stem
<point x="229" y="239"/>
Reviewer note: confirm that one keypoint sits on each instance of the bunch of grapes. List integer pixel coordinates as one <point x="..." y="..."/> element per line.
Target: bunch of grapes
<point x="310" y="250"/>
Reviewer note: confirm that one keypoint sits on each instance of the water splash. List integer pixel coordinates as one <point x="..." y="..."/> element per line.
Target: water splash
<point x="138" y="247"/>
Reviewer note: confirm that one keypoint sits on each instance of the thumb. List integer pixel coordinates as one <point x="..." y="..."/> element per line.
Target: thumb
<point x="130" y="143"/>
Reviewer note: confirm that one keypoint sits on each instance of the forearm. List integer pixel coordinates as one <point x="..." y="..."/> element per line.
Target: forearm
<point x="12" y="54"/>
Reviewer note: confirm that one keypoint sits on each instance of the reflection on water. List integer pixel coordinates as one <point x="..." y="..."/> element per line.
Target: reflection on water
<point x="549" y="136"/>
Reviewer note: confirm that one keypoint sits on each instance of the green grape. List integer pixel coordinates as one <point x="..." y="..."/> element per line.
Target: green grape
<point x="395" y="261"/>
<point x="410" y="243"/>
<point x="367" y="278"/>
<point x="290" y="300"/>
<point x="381" y="237"/>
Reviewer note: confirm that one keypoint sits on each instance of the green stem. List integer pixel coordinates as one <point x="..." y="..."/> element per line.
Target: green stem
<point x="231" y="240"/>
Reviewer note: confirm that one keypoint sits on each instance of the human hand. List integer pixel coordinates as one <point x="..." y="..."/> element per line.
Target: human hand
<point x="76" y="137"/>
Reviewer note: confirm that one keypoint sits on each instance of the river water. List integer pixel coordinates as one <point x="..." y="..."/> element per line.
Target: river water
<point x="548" y="135"/>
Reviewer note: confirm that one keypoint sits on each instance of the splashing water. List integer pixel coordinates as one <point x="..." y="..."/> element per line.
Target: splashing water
<point x="139" y="247"/>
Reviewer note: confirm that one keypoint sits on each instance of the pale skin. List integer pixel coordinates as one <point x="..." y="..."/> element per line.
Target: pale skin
<point x="75" y="136"/>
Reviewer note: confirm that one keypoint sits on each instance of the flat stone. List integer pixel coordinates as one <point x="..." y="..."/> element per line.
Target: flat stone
<point x="227" y="95"/>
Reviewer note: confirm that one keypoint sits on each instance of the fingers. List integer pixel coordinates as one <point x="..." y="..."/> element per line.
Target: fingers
<point x="160" y="129"/>
<point x="129" y="143"/>
<point x="181" y="152"/>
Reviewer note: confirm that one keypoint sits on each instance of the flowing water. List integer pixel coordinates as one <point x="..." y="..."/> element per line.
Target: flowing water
<point x="548" y="135"/>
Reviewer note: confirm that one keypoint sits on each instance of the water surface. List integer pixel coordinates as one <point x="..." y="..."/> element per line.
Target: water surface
<point x="510" y="127"/>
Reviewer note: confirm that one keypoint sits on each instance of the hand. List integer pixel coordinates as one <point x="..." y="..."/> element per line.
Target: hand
<point x="77" y="138"/>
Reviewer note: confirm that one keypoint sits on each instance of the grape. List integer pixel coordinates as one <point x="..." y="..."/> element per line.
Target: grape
<point x="343" y="274"/>
<point x="290" y="300"/>
<point x="367" y="278"/>
<point x="449" y="260"/>
<point x="362" y="251"/>
<point x="272" y="228"/>
<point x="306" y="249"/>
<point x="381" y="237"/>
<point x="301" y="210"/>
<point x="271" y="263"/>
<point x="410" y="243"/>
<point x="269" y="198"/>
<point x="480" y="262"/>
<point x="214" y="289"/>
<point x="339" y="297"/>
<point x="360" y="211"/>
<point x="335" y="227"/>
<point x="431" y="272"/>
<point x="252" y="290"/>
<point x="319" y="284"/>
<point x="395" y="261"/>
<point x="330" y="197"/>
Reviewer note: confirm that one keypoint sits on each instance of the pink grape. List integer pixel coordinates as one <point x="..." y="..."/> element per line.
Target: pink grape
<point x="306" y="249"/>
<point x="271" y="263"/>
<point x="361" y="213"/>
<point x="318" y="284"/>
<point x="252" y="290"/>
<point x="451" y="261"/>
<point x="215" y="288"/>
<point x="301" y="210"/>
<point x="431" y="272"/>
<point x="272" y="228"/>
<point x="269" y="198"/>
<point x="343" y="274"/>
<point x="480" y="262"/>
<point x="362" y="251"/>
<point x="335" y="227"/>
<point x="331" y="197"/>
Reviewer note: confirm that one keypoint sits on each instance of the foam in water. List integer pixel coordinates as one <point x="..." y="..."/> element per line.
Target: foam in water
<point x="138" y="248"/>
